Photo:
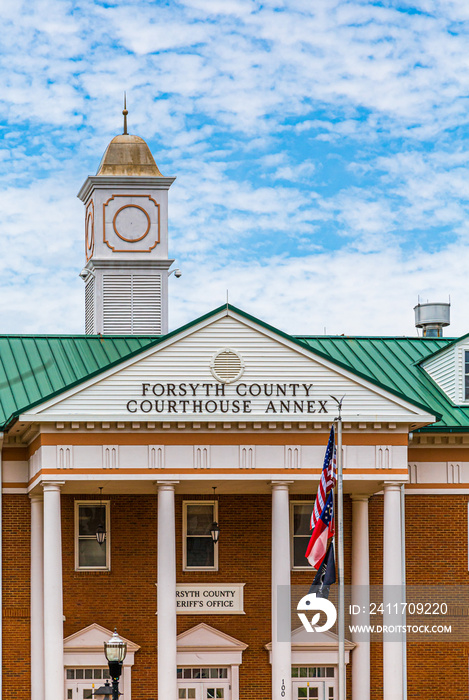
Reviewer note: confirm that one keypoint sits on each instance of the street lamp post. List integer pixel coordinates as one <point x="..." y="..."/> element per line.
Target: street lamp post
<point x="115" y="650"/>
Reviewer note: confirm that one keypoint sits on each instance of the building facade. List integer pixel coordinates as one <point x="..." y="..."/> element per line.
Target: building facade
<point x="151" y="437"/>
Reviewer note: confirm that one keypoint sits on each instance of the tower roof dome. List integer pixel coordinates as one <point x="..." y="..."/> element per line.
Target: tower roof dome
<point x="128" y="155"/>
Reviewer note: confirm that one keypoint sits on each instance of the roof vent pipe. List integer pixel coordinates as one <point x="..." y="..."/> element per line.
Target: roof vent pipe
<point x="432" y="318"/>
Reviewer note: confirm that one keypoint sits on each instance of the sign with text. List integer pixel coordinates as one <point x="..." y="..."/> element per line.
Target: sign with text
<point x="210" y="598"/>
<point x="212" y="397"/>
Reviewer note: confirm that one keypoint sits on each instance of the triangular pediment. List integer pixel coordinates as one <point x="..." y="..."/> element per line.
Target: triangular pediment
<point x="92" y="638"/>
<point x="183" y="378"/>
<point x="204" y="637"/>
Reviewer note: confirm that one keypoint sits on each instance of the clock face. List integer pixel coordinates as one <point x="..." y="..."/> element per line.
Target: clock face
<point x="131" y="223"/>
<point x="89" y="231"/>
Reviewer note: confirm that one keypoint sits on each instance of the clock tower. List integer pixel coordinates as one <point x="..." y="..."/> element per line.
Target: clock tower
<point x="126" y="241"/>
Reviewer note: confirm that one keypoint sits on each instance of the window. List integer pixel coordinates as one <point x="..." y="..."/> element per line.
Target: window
<point x="89" y="554"/>
<point x="300" y="514"/>
<point x="199" y="551"/>
<point x="312" y="672"/>
<point x="87" y="673"/>
<point x="202" y="672"/>
<point x="466" y="375"/>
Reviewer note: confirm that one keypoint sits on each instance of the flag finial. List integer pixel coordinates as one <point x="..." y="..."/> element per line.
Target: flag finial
<point x="125" y="113"/>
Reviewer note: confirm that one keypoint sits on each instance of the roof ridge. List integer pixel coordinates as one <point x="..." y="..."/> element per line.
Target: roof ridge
<point x="373" y="337"/>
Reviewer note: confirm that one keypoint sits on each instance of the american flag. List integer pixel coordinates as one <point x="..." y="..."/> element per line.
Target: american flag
<point x="323" y="531"/>
<point x="328" y="480"/>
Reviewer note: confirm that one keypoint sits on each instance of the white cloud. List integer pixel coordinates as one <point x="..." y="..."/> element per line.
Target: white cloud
<point x="320" y="148"/>
<point x="346" y="292"/>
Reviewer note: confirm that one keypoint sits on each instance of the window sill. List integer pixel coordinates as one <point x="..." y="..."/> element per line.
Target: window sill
<point x="92" y="571"/>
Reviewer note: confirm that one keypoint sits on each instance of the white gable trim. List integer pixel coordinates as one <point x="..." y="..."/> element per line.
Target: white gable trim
<point x="92" y="638"/>
<point x="414" y="411"/>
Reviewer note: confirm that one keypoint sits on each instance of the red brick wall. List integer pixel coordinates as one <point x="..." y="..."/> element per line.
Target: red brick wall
<point x="16" y="539"/>
<point x="437" y="668"/>
<point x="375" y="517"/>
<point x="436" y="553"/>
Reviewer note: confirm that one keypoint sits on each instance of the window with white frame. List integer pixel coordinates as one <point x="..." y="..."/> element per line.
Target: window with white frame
<point x="89" y="554"/>
<point x="466" y="375"/>
<point x="199" y="551"/>
<point x="300" y="517"/>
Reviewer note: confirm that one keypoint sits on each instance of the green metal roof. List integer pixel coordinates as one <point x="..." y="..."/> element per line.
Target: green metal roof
<point x="393" y="363"/>
<point x="34" y="369"/>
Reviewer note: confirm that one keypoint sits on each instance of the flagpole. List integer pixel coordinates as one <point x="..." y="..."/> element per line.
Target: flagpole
<point x="340" y="554"/>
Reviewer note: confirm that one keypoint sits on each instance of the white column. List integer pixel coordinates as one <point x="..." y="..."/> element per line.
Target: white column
<point x="37" y="599"/>
<point x="360" y="597"/>
<point x="53" y="602"/>
<point x="166" y="593"/>
<point x="392" y="580"/>
<point x="281" y="595"/>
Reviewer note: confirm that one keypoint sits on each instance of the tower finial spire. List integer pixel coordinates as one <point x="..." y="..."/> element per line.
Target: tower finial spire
<point x="125" y="113"/>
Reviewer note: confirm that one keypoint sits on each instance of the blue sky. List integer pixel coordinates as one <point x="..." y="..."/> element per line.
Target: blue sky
<point x="320" y="148"/>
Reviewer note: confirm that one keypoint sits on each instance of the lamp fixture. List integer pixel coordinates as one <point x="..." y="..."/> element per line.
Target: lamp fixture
<point x="100" y="530"/>
<point x="214" y="529"/>
<point x="115" y="650"/>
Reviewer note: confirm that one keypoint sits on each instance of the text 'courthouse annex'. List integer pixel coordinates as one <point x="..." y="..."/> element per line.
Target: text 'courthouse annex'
<point x="162" y="483"/>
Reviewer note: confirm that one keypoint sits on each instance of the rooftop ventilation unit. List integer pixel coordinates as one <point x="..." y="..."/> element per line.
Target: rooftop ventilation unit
<point x="432" y="318"/>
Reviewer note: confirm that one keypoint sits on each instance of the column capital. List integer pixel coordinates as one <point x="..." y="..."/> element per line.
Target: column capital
<point x="359" y="497"/>
<point x="166" y="485"/>
<point x="52" y="485"/>
<point x="393" y="485"/>
<point x="280" y="485"/>
<point x="35" y="497"/>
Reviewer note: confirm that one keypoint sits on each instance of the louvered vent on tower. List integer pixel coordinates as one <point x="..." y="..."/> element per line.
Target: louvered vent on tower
<point x="146" y="304"/>
<point x="117" y="304"/>
<point x="89" y="306"/>
<point x="227" y="366"/>
<point x="132" y="304"/>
